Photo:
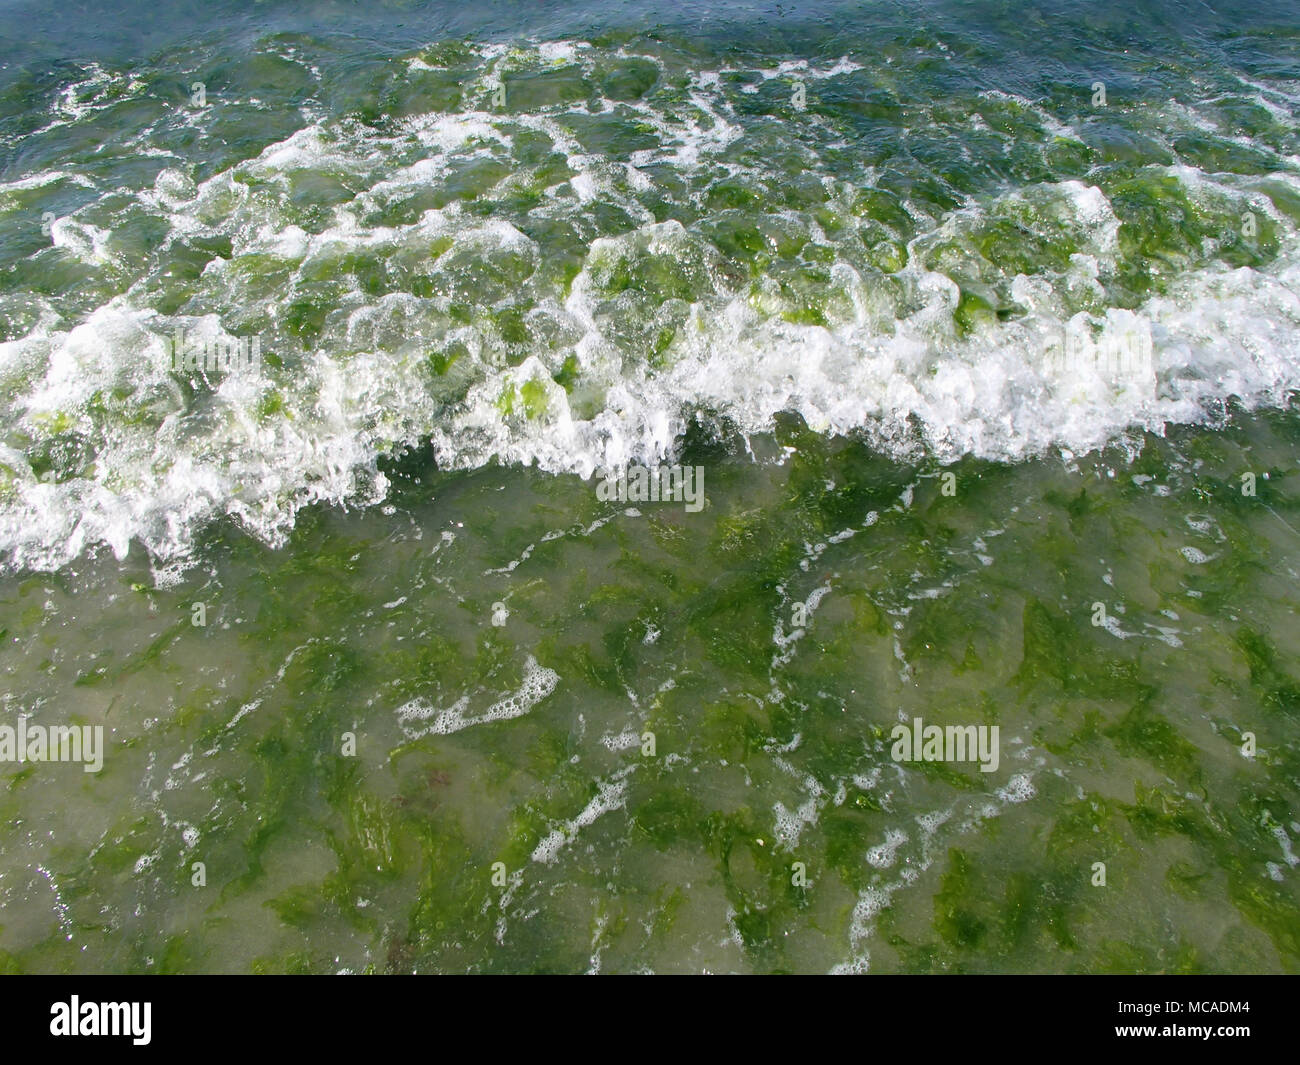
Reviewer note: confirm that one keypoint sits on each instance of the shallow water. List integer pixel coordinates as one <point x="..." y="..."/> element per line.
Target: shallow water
<point x="485" y="260"/>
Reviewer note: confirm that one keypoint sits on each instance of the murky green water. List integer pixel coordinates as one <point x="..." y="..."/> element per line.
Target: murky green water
<point x="1120" y="745"/>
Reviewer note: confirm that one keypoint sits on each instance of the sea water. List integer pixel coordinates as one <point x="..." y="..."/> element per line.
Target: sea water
<point x="978" y="321"/>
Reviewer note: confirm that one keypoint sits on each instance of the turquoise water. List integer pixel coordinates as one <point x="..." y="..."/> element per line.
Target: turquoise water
<point x="976" y="318"/>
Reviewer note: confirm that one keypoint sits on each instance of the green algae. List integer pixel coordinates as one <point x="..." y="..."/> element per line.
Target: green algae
<point x="401" y="833"/>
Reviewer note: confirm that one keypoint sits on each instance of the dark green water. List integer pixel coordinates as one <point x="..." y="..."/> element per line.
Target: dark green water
<point x="962" y="349"/>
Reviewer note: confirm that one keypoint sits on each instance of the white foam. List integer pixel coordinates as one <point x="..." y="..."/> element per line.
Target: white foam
<point x="538" y="683"/>
<point x="883" y="855"/>
<point x="1020" y="788"/>
<point x="610" y="795"/>
<point x="889" y="357"/>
